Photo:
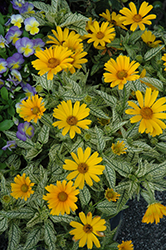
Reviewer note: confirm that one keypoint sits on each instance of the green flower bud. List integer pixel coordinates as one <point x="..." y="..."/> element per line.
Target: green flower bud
<point x="139" y="58"/>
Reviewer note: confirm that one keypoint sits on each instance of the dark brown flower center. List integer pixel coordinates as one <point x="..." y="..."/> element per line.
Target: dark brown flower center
<point x="121" y="74"/>
<point x="137" y="18"/>
<point x="72" y="120"/>
<point x="113" y="22"/>
<point x="83" y="168"/>
<point x="88" y="228"/>
<point x="110" y="194"/>
<point x="35" y="110"/>
<point x="99" y="35"/>
<point x="24" y="188"/>
<point x="146" y="112"/>
<point x="53" y="62"/>
<point x="62" y="196"/>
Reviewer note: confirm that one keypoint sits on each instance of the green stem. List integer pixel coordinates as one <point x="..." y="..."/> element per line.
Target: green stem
<point x="60" y="79"/>
<point x="98" y="202"/>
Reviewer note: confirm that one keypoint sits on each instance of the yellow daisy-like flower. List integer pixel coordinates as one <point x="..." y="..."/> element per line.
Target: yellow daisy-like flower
<point x="120" y="71"/>
<point x="32" y="108"/>
<point x="52" y="61"/>
<point x="77" y="61"/>
<point x="85" y="167"/>
<point x="137" y="19"/>
<point x="111" y="195"/>
<point x="71" y="118"/>
<point x="119" y="148"/>
<point x="22" y="188"/>
<point x="149" y="39"/>
<point x="62" y="36"/>
<point x="62" y="197"/>
<point x="149" y="113"/>
<point x="86" y="232"/>
<point x="100" y="35"/>
<point x="164" y="59"/>
<point x="113" y="18"/>
<point x="153" y="213"/>
<point x="126" y="245"/>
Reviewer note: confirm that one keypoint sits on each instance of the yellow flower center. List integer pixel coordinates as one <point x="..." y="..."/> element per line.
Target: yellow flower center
<point x="88" y="228"/>
<point x="35" y="110"/>
<point x="83" y="168"/>
<point x="24" y="188"/>
<point x="99" y="35"/>
<point x="62" y="196"/>
<point x="53" y="62"/>
<point x="121" y="74"/>
<point x="146" y="113"/>
<point x="72" y="120"/>
<point x="137" y="18"/>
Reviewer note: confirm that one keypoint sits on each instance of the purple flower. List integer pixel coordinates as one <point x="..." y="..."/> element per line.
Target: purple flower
<point x="10" y="145"/>
<point x="38" y="44"/>
<point x="25" y="45"/>
<point x="15" y="77"/>
<point x="18" y="4"/>
<point x="31" y="25"/>
<point x="13" y="34"/>
<point x="3" y="65"/>
<point x="25" y="130"/>
<point x="22" y="7"/>
<point x="30" y="91"/>
<point x="15" y="61"/>
<point x="3" y="42"/>
<point x="28" y="8"/>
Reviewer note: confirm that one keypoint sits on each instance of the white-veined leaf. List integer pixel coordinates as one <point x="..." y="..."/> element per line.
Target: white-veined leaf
<point x="62" y="218"/>
<point x="49" y="235"/>
<point x="32" y="238"/>
<point x="41" y="6"/>
<point x="36" y="219"/>
<point x="135" y="36"/>
<point x="124" y="197"/>
<point x="54" y="5"/>
<point x="152" y="52"/>
<point x="107" y="207"/>
<point x="13" y="236"/>
<point x="22" y="213"/>
<point x="108" y="99"/>
<point x="110" y="175"/>
<point x="84" y="196"/>
<point x="153" y="81"/>
<point x="44" y="134"/>
<point x="157" y="170"/>
<point x="78" y="144"/>
<point x="100" y="139"/>
<point x="75" y="86"/>
<point x="97" y="112"/>
<point x="23" y="144"/>
<point x="3" y="223"/>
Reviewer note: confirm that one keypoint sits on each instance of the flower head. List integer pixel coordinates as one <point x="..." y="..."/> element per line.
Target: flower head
<point x="119" y="148"/>
<point x="120" y="71"/>
<point x="3" y="65"/>
<point x="32" y="108"/>
<point x="61" y="197"/>
<point x="3" y="42"/>
<point x="149" y="113"/>
<point x="29" y="90"/>
<point x="86" y="233"/>
<point x="25" y="130"/>
<point x="113" y="18"/>
<point x="38" y="44"/>
<point x="70" y="119"/>
<point x="149" y="39"/>
<point x="15" y="61"/>
<point x="24" y="45"/>
<point x="17" y="20"/>
<point x="137" y="19"/>
<point x="15" y="77"/>
<point x="111" y="195"/>
<point x="164" y="59"/>
<point x="154" y="212"/>
<point x="52" y="61"/>
<point x="22" y="188"/>
<point x="17" y="4"/>
<point x="84" y="167"/>
<point x="126" y="245"/>
<point x="10" y="145"/>
<point x="13" y="34"/>
<point x="100" y="35"/>
<point x="31" y="25"/>
<point x="77" y="60"/>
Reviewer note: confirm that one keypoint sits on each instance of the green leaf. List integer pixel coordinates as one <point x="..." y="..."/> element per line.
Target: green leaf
<point x="4" y="93"/>
<point x="32" y="153"/>
<point x="78" y="144"/>
<point x="2" y="21"/>
<point x="5" y="125"/>
<point x="155" y="82"/>
<point x="62" y="218"/>
<point x="84" y="196"/>
<point x="110" y="175"/>
<point x="54" y="5"/>
<point x="36" y="219"/>
<point x="22" y="213"/>
<point x="97" y="112"/>
<point x="107" y="207"/>
<point x="49" y="235"/>
<point x="41" y="6"/>
<point x="152" y="52"/>
<point x="11" y="111"/>
<point x="14" y="236"/>
<point x="44" y="134"/>
<point x="75" y="86"/>
<point x="135" y="36"/>
<point x="108" y="99"/>
<point x="100" y="139"/>
<point x="142" y="168"/>
<point x="3" y="223"/>
<point x="23" y="144"/>
<point x="157" y="170"/>
<point x="2" y="32"/>
<point x="32" y="238"/>
<point x="124" y="197"/>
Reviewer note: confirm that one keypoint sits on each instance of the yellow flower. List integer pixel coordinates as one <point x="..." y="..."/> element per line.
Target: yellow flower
<point x="100" y="35"/>
<point x="137" y="19"/>
<point x="119" y="148"/>
<point x="149" y="39"/>
<point x="52" y="61"/>
<point x="149" y="113"/>
<point x="164" y="59"/>
<point x="120" y="71"/>
<point x="103" y="121"/>
<point x="77" y="61"/>
<point x="126" y="245"/>
<point x="62" y="36"/>
<point x="153" y="213"/>
<point x="86" y="233"/>
<point x="111" y="195"/>
<point x="71" y="118"/>
<point x="32" y="108"/>
<point x="22" y="187"/>
<point x="113" y="18"/>
<point x="85" y="167"/>
<point x="62" y="197"/>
